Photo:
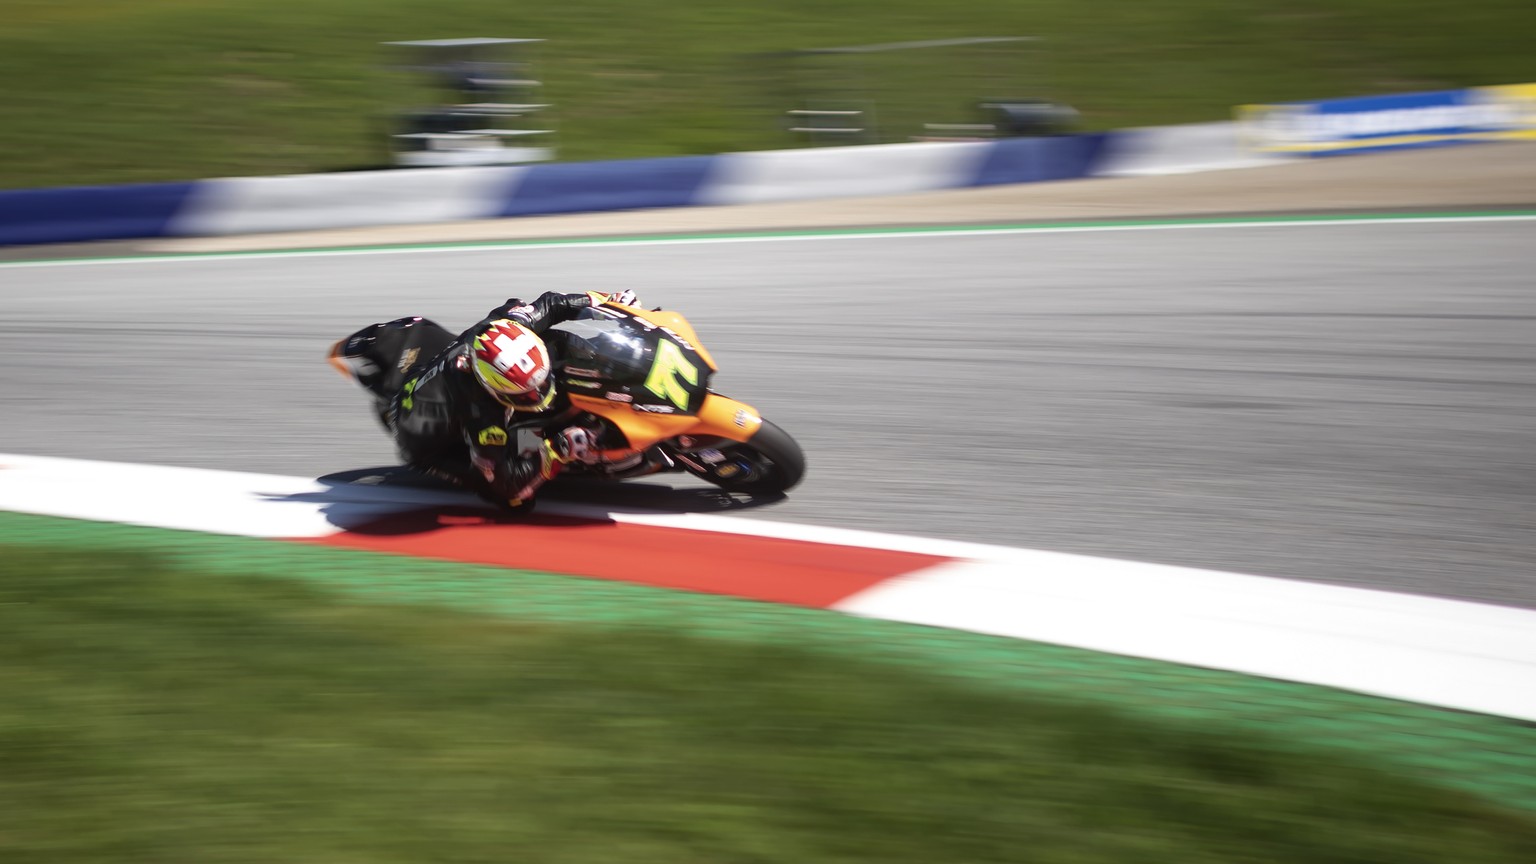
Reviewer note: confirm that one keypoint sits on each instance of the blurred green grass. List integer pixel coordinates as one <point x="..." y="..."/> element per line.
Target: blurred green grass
<point x="152" y="713"/>
<point x="106" y="92"/>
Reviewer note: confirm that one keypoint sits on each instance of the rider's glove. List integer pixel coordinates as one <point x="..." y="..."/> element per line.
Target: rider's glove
<point x="577" y="444"/>
<point x="623" y="298"/>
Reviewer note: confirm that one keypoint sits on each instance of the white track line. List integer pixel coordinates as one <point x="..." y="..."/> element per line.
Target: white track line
<point x="1451" y="653"/>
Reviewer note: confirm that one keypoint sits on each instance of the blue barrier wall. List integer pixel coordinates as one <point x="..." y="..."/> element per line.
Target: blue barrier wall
<point x="575" y="187"/>
<point x="1035" y="160"/>
<point x="245" y="205"/>
<point x="89" y="212"/>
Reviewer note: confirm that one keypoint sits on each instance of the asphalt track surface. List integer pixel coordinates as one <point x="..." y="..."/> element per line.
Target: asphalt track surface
<point x="1349" y="403"/>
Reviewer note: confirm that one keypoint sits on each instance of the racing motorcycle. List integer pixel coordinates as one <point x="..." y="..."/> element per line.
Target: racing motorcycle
<point x="640" y="375"/>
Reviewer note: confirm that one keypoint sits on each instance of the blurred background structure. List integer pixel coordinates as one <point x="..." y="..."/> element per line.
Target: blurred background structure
<point x="482" y="104"/>
<point x="969" y="88"/>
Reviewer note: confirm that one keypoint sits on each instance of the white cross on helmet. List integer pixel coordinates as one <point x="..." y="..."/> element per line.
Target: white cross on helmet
<point x="512" y="364"/>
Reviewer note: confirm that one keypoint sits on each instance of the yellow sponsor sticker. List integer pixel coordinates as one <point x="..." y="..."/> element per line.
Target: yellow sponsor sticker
<point x="493" y="436"/>
<point x="408" y="358"/>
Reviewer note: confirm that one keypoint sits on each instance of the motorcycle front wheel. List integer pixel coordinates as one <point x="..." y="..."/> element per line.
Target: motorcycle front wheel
<point x="769" y="464"/>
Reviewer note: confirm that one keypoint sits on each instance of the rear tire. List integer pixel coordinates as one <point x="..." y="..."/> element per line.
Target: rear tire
<point x="769" y="464"/>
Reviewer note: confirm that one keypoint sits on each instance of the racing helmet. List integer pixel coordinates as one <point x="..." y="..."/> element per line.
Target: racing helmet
<point x="512" y="363"/>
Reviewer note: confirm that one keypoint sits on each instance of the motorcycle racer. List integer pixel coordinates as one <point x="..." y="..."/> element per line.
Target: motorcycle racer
<point x="483" y="411"/>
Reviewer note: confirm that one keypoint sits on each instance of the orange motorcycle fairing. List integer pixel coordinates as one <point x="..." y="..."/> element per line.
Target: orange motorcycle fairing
<point x="674" y="323"/>
<point x="333" y="357"/>
<point x="719" y="416"/>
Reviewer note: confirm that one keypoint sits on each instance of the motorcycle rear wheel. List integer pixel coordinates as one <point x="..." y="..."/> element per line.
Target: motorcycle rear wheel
<point x="769" y="464"/>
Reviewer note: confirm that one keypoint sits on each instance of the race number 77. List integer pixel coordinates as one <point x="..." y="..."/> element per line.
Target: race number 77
<point x="670" y="365"/>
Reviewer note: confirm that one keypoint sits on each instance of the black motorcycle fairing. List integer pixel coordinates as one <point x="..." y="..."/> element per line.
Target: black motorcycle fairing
<point x="382" y="356"/>
<point x="631" y="361"/>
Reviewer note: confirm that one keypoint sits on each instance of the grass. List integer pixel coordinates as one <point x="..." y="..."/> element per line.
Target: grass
<point x="107" y="92"/>
<point x="149" y="713"/>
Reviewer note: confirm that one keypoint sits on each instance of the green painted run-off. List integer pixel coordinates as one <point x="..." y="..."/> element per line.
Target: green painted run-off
<point x="1487" y="755"/>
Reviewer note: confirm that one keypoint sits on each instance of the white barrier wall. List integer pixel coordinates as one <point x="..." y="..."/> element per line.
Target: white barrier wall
<point x="839" y="172"/>
<point x="259" y="205"/>
<point x="1180" y="150"/>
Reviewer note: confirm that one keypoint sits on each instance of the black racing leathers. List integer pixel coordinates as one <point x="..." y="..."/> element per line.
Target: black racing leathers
<point x="446" y="424"/>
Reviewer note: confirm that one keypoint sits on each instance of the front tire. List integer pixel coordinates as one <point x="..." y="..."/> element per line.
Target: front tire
<point x="770" y="464"/>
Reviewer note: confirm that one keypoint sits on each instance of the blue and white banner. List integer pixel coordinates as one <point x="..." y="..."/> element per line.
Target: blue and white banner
<point x="1334" y="126"/>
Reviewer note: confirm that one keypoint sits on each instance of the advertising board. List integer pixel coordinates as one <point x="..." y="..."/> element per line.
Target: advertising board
<point x="1336" y="126"/>
<point x="1520" y="102"/>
